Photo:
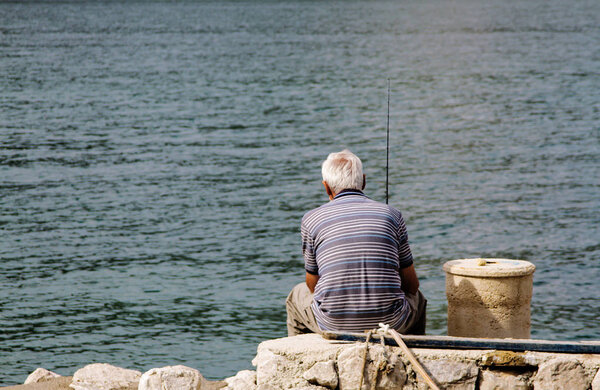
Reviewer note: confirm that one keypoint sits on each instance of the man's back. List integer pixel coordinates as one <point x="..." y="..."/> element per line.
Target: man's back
<point x="356" y="246"/>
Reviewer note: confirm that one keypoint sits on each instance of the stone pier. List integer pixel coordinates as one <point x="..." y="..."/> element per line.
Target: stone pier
<point x="310" y="362"/>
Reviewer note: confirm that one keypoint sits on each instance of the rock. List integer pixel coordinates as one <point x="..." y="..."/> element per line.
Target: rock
<point x="171" y="377"/>
<point x="305" y="387"/>
<point x="561" y="373"/>
<point x="389" y="373"/>
<point x="322" y="374"/>
<point x="243" y="380"/>
<point x="106" y="377"/>
<point x="266" y="387"/>
<point x="351" y="366"/>
<point x="287" y="363"/>
<point x="307" y="349"/>
<point x="57" y="383"/>
<point x="596" y="381"/>
<point x="213" y="385"/>
<point x="498" y="380"/>
<point x="40" y="375"/>
<point x="504" y="359"/>
<point x="450" y="375"/>
<point x="281" y="362"/>
<point x="395" y="378"/>
<point x="277" y="371"/>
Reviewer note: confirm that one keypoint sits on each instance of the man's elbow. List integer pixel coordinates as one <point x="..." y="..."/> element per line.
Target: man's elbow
<point x="414" y="288"/>
<point x="311" y="281"/>
<point x="409" y="280"/>
<point x="411" y="287"/>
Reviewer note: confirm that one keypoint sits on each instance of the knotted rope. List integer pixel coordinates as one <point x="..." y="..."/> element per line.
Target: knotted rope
<point x="362" y="373"/>
<point x="385" y="330"/>
<point x="382" y="331"/>
<point x="383" y="365"/>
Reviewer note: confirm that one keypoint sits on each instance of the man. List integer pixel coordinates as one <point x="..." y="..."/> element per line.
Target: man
<point x="359" y="267"/>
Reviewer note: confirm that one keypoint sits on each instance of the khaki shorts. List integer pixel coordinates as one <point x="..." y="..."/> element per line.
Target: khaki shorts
<point x="301" y="319"/>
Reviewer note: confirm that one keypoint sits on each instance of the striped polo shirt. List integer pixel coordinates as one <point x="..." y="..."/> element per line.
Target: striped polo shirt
<point x="357" y="247"/>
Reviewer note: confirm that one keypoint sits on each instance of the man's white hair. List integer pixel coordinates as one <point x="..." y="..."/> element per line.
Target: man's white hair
<point x="343" y="171"/>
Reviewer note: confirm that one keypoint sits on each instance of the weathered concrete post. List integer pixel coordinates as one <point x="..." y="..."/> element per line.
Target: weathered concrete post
<point x="489" y="298"/>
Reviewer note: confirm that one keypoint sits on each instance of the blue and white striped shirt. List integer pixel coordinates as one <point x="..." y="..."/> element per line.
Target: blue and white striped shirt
<point x="357" y="247"/>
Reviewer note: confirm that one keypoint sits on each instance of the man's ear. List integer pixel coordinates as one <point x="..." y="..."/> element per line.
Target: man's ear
<point x="328" y="190"/>
<point x="364" y="181"/>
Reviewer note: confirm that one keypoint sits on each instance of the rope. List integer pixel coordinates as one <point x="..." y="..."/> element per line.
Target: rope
<point x="385" y="329"/>
<point x="386" y="365"/>
<point x="362" y="373"/>
<point x="382" y="365"/>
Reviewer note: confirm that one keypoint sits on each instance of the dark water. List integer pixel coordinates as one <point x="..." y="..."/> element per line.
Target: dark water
<point x="156" y="159"/>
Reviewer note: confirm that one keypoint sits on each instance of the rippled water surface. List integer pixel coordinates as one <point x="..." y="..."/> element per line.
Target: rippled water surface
<point x="156" y="159"/>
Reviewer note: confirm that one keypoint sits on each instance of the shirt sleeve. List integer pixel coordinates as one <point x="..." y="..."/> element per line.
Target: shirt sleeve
<point x="308" y="251"/>
<point x="405" y="258"/>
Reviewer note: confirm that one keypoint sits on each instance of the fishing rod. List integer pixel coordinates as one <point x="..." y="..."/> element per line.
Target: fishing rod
<point x="387" y="147"/>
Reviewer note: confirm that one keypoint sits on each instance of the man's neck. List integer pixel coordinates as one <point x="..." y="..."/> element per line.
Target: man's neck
<point x="347" y="191"/>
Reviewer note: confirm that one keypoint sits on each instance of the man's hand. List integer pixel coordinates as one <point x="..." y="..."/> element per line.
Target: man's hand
<point x="311" y="281"/>
<point x="408" y="276"/>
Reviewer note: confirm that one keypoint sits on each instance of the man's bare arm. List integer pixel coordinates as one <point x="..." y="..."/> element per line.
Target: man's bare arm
<point x="410" y="281"/>
<point x="311" y="281"/>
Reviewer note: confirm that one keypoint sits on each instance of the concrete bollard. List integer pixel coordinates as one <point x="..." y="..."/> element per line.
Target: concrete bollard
<point x="489" y="298"/>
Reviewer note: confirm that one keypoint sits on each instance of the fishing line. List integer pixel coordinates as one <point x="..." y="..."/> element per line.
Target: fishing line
<point x="387" y="147"/>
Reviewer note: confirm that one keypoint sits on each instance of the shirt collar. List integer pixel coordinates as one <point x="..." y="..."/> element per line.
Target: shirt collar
<point x="347" y="192"/>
